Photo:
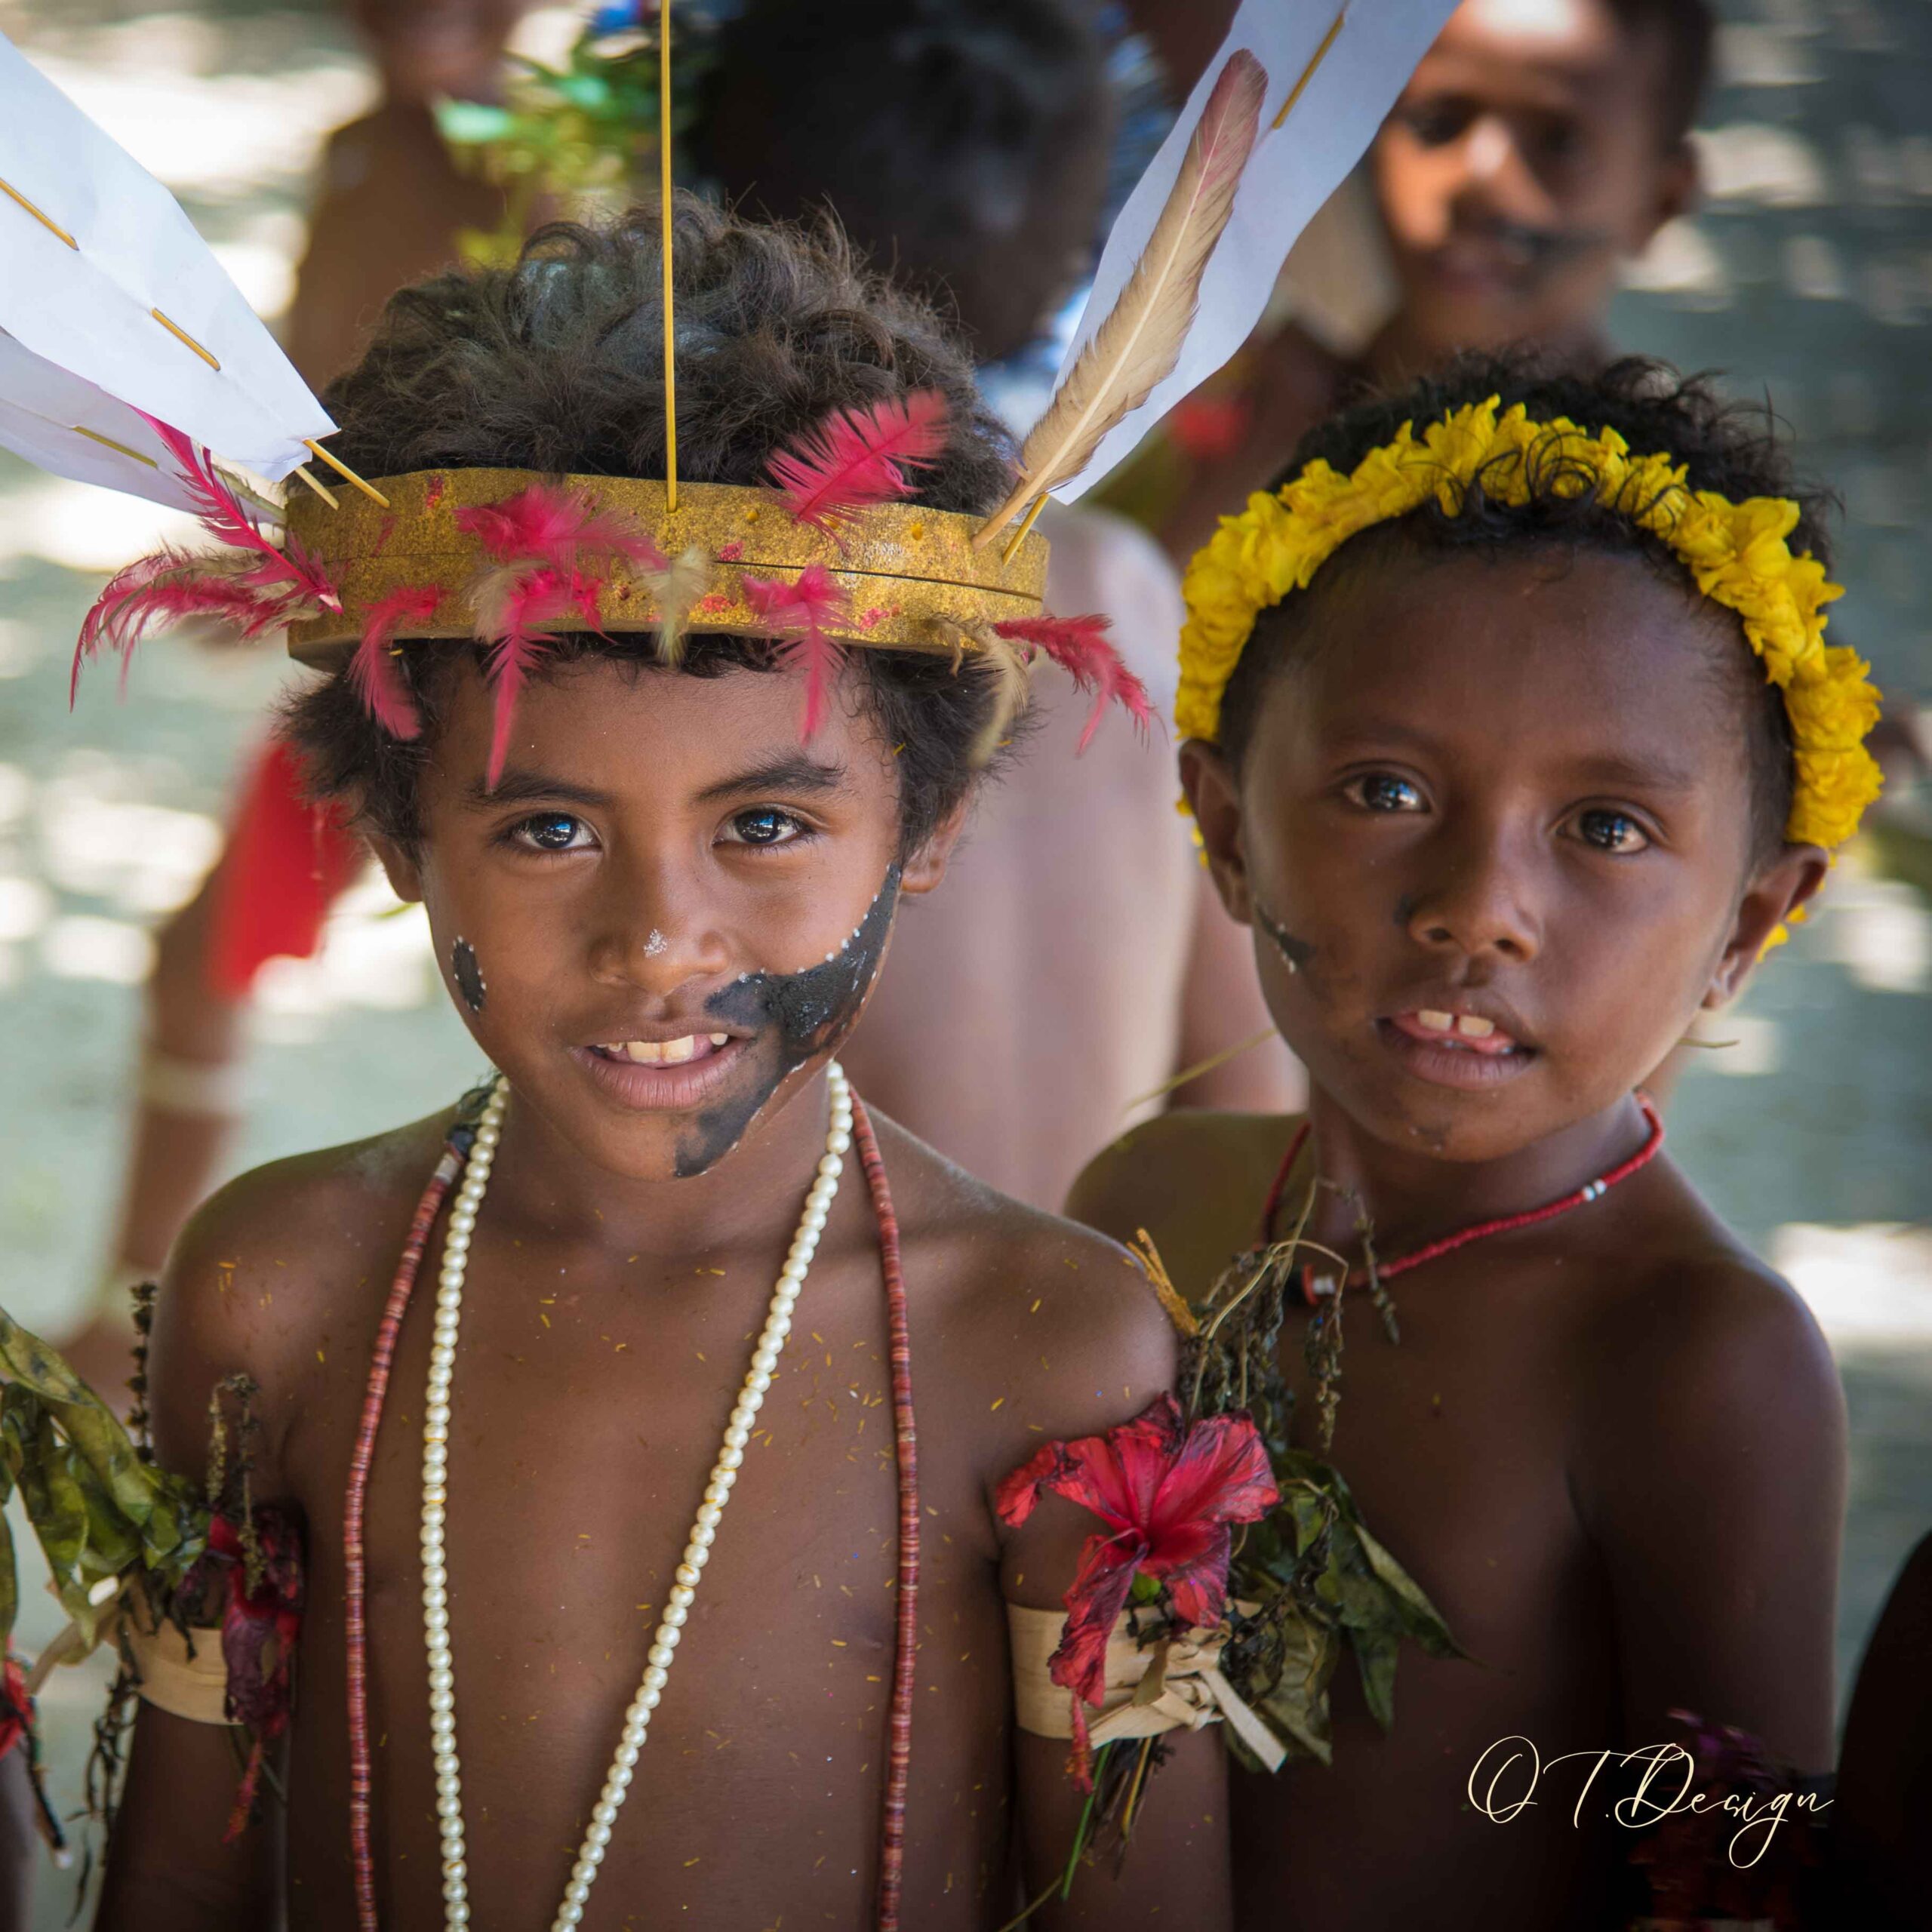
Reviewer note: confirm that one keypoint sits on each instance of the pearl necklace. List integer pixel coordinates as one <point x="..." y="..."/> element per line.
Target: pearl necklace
<point x="704" y="1530"/>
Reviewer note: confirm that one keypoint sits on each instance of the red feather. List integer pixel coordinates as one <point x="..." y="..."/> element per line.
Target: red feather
<point x="373" y="671"/>
<point x="858" y="458"/>
<point x="519" y="611"/>
<point x="157" y="592"/>
<point x="225" y="518"/>
<point x="799" y="613"/>
<point x="1079" y="646"/>
<point x="549" y="525"/>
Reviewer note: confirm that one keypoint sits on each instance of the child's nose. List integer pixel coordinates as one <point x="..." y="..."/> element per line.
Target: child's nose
<point x="1478" y="906"/>
<point x="1497" y="175"/>
<point x="652" y="935"/>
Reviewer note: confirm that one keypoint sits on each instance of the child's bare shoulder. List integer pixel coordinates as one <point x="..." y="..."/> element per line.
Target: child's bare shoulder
<point x="273" y="1260"/>
<point x="1037" y="1307"/>
<point x="1692" y="1338"/>
<point x="1196" y="1182"/>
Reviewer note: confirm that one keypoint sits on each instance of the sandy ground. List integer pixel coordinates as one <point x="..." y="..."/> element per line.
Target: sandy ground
<point x="1811" y="1132"/>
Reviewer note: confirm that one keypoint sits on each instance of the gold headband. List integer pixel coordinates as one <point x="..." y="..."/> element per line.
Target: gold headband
<point x="913" y="579"/>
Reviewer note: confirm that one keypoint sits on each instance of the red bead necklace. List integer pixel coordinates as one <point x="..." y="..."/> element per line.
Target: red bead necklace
<point x="899" y="1720"/>
<point x="1501" y="1224"/>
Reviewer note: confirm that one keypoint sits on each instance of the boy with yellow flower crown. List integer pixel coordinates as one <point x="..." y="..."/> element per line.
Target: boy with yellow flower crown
<point x="1512" y="732"/>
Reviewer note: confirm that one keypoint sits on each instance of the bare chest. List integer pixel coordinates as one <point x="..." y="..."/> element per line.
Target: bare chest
<point x="584" y="1426"/>
<point x="1456" y="1444"/>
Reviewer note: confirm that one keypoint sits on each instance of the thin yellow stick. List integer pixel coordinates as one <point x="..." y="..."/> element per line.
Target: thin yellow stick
<point x="1308" y="73"/>
<point x="182" y="335"/>
<point x="95" y="436"/>
<point x="1012" y="550"/>
<point x="1200" y="1066"/>
<point x="45" y="220"/>
<point x="342" y="470"/>
<point x="664" y="219"/>
<point x="321" y="490"/>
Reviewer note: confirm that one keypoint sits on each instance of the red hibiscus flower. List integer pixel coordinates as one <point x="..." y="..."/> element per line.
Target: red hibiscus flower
<point x="1171" y="1494"/>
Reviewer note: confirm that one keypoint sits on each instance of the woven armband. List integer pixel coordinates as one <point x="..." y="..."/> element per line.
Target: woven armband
<point x="185" y="1675"/>
<point x="1172" y="1685"/>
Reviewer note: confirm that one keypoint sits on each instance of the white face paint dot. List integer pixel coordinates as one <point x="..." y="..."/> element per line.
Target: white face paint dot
<point x="655" y="944"/>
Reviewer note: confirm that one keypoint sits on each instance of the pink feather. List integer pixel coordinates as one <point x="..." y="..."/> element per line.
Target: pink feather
<point x="547" y="524"/>
<point x="373" y="670"/>
<point x="224" y="517"/>
<point x="515" y="611"/>
<point x="1079" y="646"/>
<point x="158" y="592"/>
<point x="798" y="614"/>
<point x="858" y="458"/>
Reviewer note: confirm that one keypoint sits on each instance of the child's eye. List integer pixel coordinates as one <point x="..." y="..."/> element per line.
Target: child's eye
<point x="763" y="824"/>
<point x="551" y="832"/>
<point x="1436" y="123"/>
<point x="1383" y="792"/>
<point x="1611" y="831"/>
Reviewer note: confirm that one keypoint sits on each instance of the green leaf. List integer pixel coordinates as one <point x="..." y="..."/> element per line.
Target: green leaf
<point x="588" y="91"/>
<point x="1422" y="1620"/>
<point x="138" y="1488"/>
<point x="1375" y="1660"/>
<point x="471" y="123"/>
<point x="9" y="1575"/>
<point x="1298" y="1705"/>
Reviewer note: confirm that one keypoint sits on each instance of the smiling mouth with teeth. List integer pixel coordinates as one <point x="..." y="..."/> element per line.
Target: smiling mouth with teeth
<point x="1467" y="1032"/>
<point x="663" y="1053"/>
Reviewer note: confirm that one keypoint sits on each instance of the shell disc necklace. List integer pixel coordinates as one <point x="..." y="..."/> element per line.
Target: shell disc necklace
<point x="698" y="1550"/>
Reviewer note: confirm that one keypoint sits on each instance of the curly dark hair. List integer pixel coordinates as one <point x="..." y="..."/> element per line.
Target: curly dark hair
<point x="1732" y="448"/>
<point x="555" y="365"/>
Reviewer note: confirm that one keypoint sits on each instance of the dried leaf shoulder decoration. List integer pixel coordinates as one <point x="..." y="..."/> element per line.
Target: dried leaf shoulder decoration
<point x="832" y="554"/>
<point x="1225" y="1547"/>
<point x="128" y="1543"/>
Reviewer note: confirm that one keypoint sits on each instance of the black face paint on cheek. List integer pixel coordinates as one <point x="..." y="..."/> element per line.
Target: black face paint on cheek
<point x="795" y="1017"/>
<point x="1405" y="911"/>
<point x="468" y="975"/>
<point x="1296" y="952"/>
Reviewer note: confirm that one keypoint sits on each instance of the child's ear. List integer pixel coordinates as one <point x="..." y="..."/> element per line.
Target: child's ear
<point x="399" y="867"/>
<point x="927" y="866"/>
<point x="1777" y="892"/>
<point x="1680" y="187"/>
<point x="1214" y="793"/>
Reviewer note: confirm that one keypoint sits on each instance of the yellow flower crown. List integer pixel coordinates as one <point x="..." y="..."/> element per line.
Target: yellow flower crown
<point x="1736" y="553"/>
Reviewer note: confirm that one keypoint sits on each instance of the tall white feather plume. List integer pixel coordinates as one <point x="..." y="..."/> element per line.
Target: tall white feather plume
<point x="104" y="282"/>
<point x="1341" y="67"/>
<point x="1145" y="331"/>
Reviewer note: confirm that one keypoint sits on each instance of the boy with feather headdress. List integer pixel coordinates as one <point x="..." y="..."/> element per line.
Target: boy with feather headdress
<point x="660" y="910"/>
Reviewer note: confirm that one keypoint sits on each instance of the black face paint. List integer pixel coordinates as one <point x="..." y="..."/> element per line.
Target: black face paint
<point x="468" y="975"/>
<point x="1405" y="911"/>
<point x="793" y="1017"/>
<point x="1297" y="952"/>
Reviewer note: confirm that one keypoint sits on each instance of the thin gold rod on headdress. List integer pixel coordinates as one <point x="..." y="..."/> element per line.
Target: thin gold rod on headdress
<point x="321" y="490"/>
<point x="342" y="470"/>
<point x="1007" y="556"/>
<point x="95" y="436"/>
<point x="664" y="219"/>
<point x="1308" y="72"/>
<point x="46" y="221"/>
<point x="182" y="335"/>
